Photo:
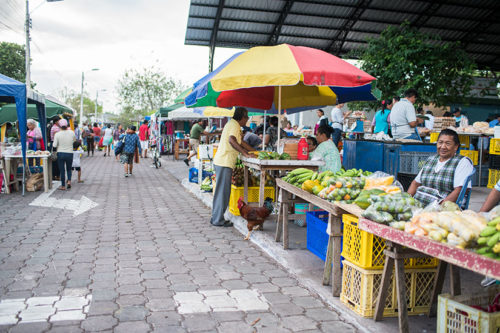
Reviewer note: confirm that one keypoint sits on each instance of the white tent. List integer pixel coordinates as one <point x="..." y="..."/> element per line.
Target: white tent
<point x="184" y="113"/>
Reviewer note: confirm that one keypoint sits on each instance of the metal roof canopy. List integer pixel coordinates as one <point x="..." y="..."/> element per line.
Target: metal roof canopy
<point x="339" y="26"/>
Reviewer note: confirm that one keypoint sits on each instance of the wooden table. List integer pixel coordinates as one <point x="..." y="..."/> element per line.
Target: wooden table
<point x="178" y="150"/>
<point x="272" y="165"/>
<point x="334" y="229"/>
<point x="11" y="162"/>
<point x="447" y="254"/>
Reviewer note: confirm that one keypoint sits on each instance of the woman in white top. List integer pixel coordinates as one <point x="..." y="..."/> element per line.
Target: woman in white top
<point x="63" y="141"/>
<point x="107" y="139"/>
<point x="323" y="120"/>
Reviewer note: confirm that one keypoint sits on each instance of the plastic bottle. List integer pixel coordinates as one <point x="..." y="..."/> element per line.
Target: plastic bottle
<point x="303" y="149"/>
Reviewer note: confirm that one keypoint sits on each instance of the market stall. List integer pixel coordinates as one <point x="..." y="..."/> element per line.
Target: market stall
<point x="265" y="166"/>
<point x="15" y="91"/>
<point x="396" y="254"/>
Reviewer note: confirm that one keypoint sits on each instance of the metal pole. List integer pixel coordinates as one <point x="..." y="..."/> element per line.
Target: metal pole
<point x="264" y="132"/>
<point x="81" y="103"/>
<point x="28" y="76"/>
<point x="27" y="51"/>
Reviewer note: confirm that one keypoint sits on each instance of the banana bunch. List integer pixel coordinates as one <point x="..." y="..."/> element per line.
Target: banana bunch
<point x="489" y="240"/>
<point x="352" y="173"/>
<point x="298" y="176"/>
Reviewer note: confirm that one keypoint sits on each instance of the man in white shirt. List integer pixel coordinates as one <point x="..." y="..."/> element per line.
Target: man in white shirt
<point x="403" y="118"/>
<point x="429" y="123"/>
<point x="338" y="122"/>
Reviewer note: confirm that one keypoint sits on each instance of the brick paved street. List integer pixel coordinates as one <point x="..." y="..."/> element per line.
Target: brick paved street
<point x="145" y="259"/>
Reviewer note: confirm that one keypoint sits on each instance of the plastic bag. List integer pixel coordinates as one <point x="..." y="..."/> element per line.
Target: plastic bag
<point x="381" y="180"/>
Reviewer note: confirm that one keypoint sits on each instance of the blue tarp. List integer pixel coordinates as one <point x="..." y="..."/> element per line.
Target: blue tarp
<point x="12" y="89"/>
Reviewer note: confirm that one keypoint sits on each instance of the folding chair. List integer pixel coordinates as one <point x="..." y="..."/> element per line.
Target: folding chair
<point x="464" y="196"/>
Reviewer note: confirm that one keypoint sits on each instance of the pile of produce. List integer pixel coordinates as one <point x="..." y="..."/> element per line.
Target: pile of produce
<point x="342" y="188"/>
<point x="390" y="208"/>
<point x="238" y="176"/>
<point x="489" y="239"/>
<point x="267" y="155"/>
<point x="298" y="176"/>
<point x="382" y="183"/>
<point x="206" y="185"/>
<point x="460" y="229"/>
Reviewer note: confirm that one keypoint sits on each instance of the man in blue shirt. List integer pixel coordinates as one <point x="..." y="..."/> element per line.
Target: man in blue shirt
<point x="131" y="143"/>
<point x="495" y="121"/>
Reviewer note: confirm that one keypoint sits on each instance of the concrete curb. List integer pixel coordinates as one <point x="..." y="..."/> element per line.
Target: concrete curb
<point x="288" y="260"/>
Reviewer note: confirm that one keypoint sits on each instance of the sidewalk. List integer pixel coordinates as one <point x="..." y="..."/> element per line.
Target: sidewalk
<point x="308" y="268"/>
<point x="144" y="259"/>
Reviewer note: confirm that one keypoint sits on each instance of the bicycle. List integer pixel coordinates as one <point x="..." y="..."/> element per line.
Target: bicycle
<point x="155" y="155"/>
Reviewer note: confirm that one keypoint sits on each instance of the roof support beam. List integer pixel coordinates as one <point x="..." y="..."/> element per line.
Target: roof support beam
<point x="426" y="14"/>
<point x="273" y="38"/>
<point x="258" y="10"/>
<point x="340" y="37"/>
<point x="213" y="37"/>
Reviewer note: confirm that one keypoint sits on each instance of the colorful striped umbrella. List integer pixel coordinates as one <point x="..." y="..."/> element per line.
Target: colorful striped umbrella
<point x="272" y="78"/>
<point x="213" y="111"/>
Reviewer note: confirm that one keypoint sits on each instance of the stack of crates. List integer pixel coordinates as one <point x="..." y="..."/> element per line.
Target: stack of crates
<point x="362" y="274"/>
<point x="494" y="172"/>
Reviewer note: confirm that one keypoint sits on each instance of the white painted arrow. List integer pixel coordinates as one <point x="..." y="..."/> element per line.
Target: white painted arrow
<point x="77" y="206"/>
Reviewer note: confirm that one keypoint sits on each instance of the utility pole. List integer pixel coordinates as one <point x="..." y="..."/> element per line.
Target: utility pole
<point x="27" y="48"/>
<point x="81" y="104"/>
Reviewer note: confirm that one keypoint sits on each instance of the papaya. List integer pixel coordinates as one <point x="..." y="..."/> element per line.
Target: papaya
<point x="316" y="189"/>
<point x="308" y="185"/>
<point x="363" y="202"/>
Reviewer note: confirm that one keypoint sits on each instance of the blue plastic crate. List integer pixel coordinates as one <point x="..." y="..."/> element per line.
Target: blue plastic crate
<point x="193" y="175"/>
<point x="392" y="152"/>
<point x="363" y="154"/>
<point x="317" y="238"/>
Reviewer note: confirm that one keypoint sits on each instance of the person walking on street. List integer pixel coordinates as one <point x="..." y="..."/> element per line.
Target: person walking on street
<point x="97" y="137"/>
<point x="194" y="139"/>
<point x="116" y="135"/>
<point x="63" y="142"/>
<point x="89" y="136"/>
<point x="76" y="165"/>
<point x="78" y="132"/>
<point x="107" y="139"/>
<point x="144" y="137"/>
<point x="130" y="145"/>
<point x="53" y="130"/>
<point x="403" y="118"/>
<point x="231" y="144"/>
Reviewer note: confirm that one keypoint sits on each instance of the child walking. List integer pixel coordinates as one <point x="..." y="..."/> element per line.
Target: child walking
<point x="77" y="153"/>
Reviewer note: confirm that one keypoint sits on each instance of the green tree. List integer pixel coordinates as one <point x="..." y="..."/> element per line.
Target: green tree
<point x="403" y="57"/>
<point x="12" y="61"/>
<point x="126" y="117"/>
<point x="72" y="98"/>
<point x="146" y="90"/>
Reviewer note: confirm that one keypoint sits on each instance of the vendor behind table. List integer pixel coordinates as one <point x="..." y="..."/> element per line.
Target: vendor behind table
<point x="194" y="138"/>
<point x="338" y="122"/>
<point x="403" y="118"/>
<point x="251" y="138"/>
<point x="380" y="121"/>
<point x="444" y="174"/>
<point x="326" y="150"/>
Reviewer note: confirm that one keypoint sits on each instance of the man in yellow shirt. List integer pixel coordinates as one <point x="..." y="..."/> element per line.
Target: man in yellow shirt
<point x="231" y="144"/>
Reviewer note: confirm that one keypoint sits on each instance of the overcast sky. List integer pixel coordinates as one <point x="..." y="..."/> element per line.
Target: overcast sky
<point x="72" y="36"/>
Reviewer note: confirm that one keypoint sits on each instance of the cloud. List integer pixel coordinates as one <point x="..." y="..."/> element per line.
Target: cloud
<point x="72" y="36"/>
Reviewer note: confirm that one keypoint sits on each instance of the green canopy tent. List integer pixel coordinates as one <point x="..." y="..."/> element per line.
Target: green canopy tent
<point x="8" y="113"/>
<point x="163" y="112"/>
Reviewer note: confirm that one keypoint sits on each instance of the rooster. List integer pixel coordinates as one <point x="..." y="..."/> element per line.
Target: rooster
<point x="255" y="216"/>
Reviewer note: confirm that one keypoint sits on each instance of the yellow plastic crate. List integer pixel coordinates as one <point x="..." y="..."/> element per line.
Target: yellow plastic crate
<point x="472" y="154"/>
<point x="455" y="313"/>
<point x="360" y="288"/>
<point x="367" y="251"/>
<point x="493" y="177"/>
<point x="495" y="146"/>
<point x="464" y="140"/>
<point x="253" y="196"/>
